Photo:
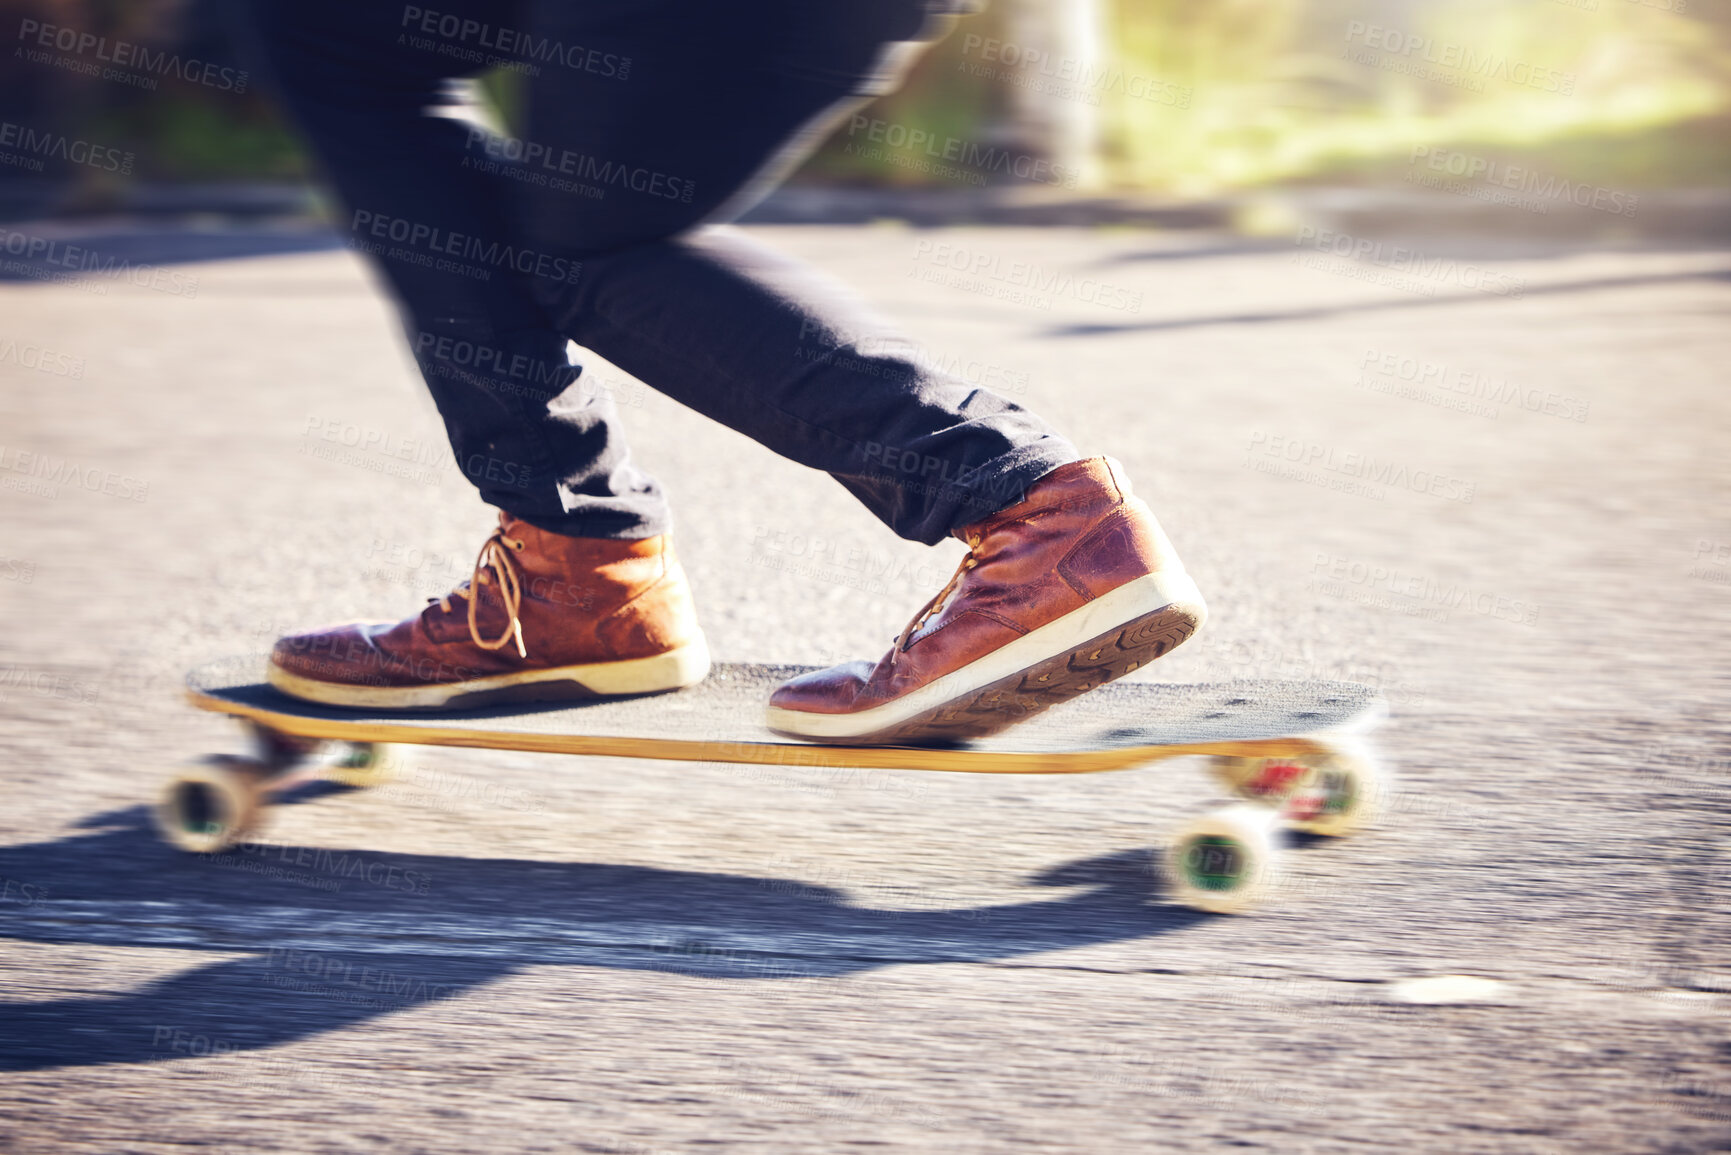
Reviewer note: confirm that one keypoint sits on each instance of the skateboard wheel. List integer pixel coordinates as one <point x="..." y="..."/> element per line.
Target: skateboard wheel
<point x="1227" y="861"/>
<point x="364" y="764"/>
<point x="1330" y="793"/>
<point x="211" y="805"/>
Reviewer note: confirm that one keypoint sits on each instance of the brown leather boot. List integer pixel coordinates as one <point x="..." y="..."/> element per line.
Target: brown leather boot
<point x="1069" y="588"/>
<point x="543" y="617"/>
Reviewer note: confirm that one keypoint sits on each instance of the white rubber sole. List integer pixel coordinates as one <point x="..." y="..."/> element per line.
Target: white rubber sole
<point x="676" y="669"/>
<point x="1169" y="590"/>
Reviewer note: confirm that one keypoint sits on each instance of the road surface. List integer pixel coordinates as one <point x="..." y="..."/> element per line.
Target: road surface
<point x="1494" y="482"/>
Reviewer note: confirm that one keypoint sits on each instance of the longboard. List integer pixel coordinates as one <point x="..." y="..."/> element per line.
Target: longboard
<point x="1294" y="752"/>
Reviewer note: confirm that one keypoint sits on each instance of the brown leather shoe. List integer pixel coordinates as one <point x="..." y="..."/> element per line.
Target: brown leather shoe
<point x="1069" y="588"/>
<point x="543" y="617"/>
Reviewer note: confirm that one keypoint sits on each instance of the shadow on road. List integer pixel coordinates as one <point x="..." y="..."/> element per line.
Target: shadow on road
<point x="431" y="928"/>
<point x="1348" y="308"/>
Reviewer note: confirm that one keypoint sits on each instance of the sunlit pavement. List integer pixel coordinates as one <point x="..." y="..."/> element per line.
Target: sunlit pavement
<point x="1494" y="485"/>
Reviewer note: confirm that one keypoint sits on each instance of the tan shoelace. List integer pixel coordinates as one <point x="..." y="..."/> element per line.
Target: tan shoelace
<point x="937" y="603"/>
<point x="494" y="559"/>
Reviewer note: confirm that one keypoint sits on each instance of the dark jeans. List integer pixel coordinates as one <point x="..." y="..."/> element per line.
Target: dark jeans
<point x="643" y="119"/>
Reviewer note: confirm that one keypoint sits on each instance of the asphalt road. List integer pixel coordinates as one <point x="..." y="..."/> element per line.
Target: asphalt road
<point x="1498" y="489"/>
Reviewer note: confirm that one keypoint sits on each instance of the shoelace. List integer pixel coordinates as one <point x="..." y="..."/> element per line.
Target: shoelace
<point x="937" y="603"/>
<point x="494" y="558"/>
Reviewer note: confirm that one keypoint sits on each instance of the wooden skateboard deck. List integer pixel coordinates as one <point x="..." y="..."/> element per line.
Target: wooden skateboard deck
<point x="1118" y="726"/>
<point x="1292" y="752"/>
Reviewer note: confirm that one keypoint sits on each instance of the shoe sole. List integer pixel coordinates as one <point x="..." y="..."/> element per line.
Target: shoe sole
<point x="674" y="670"/>
<point x="1118" y="633"/>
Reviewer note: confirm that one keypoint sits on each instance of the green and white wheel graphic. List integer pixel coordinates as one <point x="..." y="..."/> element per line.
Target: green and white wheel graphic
<point x="209" y="806"/>
<point x="1226" y="862"/>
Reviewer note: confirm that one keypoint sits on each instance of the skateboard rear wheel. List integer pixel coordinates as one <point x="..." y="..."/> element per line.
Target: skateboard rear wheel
<point x="1226" y="862"/>
<point x="211" y="805"/>
<point x="364" y="764"/>
<point x="1332" y="793"/>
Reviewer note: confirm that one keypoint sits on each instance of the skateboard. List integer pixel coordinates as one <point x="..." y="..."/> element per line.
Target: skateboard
<point x="1291" y="755"/>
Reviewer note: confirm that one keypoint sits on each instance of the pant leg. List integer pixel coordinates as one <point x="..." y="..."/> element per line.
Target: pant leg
<point x="713" y="104"/>
<point x="369" y="84"/>
<point x="646" y="118"/>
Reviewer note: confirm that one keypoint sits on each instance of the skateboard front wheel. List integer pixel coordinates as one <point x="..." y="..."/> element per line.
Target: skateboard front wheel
<point x="1330" y="792"/>
<point x="1227" y="861"/>
<point x="364" y="764"/>
<point x="211" y="805"/>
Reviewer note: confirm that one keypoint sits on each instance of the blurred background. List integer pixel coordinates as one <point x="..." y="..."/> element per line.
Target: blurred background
<point x="1237" y="113"/>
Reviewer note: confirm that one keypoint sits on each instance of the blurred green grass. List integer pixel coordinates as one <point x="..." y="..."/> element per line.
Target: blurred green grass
<point x="1277" y="98"/>
<point x="1270" y="95"/>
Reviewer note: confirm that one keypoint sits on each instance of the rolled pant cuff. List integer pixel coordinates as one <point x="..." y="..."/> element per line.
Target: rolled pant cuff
<point x="609" y="526"/>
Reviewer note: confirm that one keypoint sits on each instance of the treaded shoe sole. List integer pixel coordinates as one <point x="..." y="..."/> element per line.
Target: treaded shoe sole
<point x="1019" y="681"/>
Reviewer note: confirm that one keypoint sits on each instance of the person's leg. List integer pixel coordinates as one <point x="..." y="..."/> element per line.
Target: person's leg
<point x="579" y="591"/>
<point x="371" y="87"/>
<point x="682" y="112"/>
<point x="1068" y="582"/>
<point x="644" y="119"/>
<point x="720" y="323"/>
